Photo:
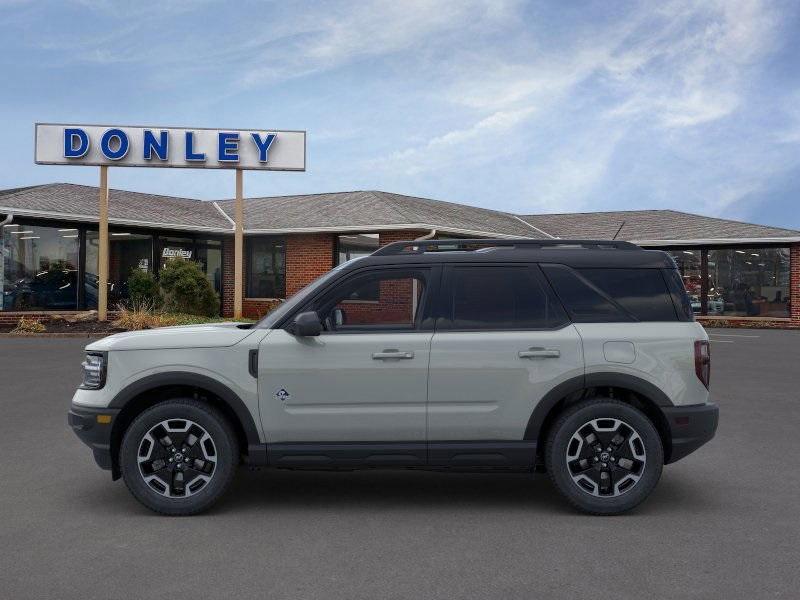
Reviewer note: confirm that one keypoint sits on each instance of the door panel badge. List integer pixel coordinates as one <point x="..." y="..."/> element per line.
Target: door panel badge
<point x="282" y="395"/>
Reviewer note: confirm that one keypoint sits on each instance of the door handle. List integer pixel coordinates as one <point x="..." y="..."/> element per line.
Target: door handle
<point x="389" y="354"/>
<point x="540" y="353"/>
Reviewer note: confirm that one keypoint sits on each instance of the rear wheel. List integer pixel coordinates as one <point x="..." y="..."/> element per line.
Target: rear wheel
<point x="604" y="456"/>
<point x="178" y="457"/>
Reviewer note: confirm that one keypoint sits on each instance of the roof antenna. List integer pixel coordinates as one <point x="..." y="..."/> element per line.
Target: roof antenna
<point x="618" y="230"/>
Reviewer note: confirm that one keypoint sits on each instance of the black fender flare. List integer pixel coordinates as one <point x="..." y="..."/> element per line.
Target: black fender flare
<point x="187" y="378"/>
<point x="592" y="380"/>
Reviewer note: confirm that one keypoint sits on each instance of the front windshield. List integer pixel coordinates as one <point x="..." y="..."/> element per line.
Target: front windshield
<point x="279" y="312"/>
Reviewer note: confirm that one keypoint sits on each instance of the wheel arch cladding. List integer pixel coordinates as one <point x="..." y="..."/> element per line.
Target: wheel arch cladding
<point x="149" y="391"/>
<point x="630" y="389"/>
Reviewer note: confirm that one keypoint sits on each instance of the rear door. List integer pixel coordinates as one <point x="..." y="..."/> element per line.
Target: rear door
<point x="502" y="342"/>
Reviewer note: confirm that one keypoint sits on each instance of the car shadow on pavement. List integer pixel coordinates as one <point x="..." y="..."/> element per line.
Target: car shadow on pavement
<point x="390" y="490"/>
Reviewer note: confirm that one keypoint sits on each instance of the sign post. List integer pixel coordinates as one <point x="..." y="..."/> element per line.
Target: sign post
<point x="175" y="147"/>
<point x="238" y="244"/>
<point x="103" y="253"/>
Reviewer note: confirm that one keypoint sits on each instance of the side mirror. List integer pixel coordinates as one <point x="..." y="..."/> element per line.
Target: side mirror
<point x="307" y="324"/>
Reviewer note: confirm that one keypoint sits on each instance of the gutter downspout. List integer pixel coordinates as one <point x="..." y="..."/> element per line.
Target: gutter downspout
<point x="427" y="236"/>
<point x="7" y="220"/>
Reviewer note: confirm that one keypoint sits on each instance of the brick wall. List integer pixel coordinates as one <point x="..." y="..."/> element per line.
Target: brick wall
<point x="307" y="257"/>
<point x="387" y="237"/>
<point x="227" y="277"/>
<point x="794" y="283"/>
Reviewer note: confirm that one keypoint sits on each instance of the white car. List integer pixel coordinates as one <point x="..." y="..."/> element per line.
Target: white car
<point x="579" y="358"/>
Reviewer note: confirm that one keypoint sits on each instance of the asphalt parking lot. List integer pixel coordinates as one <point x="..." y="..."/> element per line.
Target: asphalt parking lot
<point x="723" y="523"/>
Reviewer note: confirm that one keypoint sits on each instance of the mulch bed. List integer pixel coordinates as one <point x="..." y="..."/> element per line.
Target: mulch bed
<point x="84" y="327"/>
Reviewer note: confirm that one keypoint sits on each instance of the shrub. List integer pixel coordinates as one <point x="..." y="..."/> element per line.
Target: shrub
<point x="26" y="325"/>
<point x="143" y="289"/>
<point x="186" y="290"/>
<point x="143" y="316"/>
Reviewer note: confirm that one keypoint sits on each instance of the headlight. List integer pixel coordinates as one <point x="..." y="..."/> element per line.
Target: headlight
<point x="94" y="372"/>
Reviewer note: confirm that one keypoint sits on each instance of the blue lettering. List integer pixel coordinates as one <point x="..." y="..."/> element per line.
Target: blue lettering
<point x="70" y="137"/>
<point x="159" y="146"/>
<point x="190" y="153"/>
<point x="263" y="145"/>
<point x="122" y="144"/>
<point x="228" y="147"/>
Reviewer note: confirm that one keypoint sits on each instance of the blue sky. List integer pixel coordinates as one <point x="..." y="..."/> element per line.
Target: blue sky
<point x="521" y="106"/>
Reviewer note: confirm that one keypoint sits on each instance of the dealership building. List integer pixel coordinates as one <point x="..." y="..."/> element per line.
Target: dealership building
<point x="739" y="273"/>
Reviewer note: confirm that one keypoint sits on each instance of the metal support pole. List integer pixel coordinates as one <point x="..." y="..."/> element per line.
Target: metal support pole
<point x="238" y="254"/>
<point x="102" y="257"/>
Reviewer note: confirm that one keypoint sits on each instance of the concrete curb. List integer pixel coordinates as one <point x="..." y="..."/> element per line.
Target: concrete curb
<point x="53" y="335"/>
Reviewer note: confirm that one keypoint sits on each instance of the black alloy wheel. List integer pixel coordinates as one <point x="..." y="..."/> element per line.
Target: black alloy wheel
<point x="604" y="456"/>
<point x="179" y="456"/>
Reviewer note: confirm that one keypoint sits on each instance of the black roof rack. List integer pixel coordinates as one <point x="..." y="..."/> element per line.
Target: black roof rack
<point x="421" y="246"/>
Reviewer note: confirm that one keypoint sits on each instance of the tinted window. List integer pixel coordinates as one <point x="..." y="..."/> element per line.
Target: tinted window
<point x="501" y="298"/>
<point x="584" y="301"/>
<point x="642" y="292"/>
<point x="680" y="298"/>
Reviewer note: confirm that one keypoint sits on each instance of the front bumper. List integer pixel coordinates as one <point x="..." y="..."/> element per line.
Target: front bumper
<point x="690" y="427"/>
<point x="93" y="426"/>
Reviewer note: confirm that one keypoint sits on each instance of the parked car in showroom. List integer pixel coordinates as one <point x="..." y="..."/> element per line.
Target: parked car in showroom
<point x="578" y="358"/>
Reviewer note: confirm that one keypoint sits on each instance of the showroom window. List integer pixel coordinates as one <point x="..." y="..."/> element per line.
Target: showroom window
<point x="266" y="267"/>
<point x="39" y="267"/>
<point x="128" y="252"/>
<point x="209" y="255"/>
<point x="355" y="245"/>
<point x="749" y="282"/>
<point x="689" y="263"/>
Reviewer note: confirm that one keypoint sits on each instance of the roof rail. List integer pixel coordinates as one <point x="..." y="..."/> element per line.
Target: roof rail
<point x="421" y="246"/>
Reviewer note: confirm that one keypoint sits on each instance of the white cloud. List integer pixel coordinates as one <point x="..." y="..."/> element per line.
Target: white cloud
<point x="476" y="143"/>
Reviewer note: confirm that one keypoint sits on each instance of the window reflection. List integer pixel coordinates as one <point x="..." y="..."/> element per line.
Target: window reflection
<point x="355" y="245"/>
<point x="39" y="268"/>
<point x="749" y="282"/>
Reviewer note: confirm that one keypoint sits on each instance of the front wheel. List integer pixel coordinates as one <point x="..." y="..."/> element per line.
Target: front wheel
<point x="604" y="456"/>
<point x="179" y="456"/>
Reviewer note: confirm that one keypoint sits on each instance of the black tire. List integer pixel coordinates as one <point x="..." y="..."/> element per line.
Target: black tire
<point x="218" y="459"/>
<point x="622" y="493"/>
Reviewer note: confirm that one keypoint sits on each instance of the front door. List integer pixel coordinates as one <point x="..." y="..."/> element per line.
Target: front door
<point x="359" y="389"/>
<point x="501" y="343"/>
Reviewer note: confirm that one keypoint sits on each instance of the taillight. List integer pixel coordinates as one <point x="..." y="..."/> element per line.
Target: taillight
<point x="702" y="361"/>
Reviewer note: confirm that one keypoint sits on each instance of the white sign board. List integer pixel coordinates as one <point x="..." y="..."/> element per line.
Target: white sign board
<point x="189" y="148"/>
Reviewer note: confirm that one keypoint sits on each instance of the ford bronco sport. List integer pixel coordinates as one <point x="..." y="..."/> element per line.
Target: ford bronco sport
<point x="578" y="358"/>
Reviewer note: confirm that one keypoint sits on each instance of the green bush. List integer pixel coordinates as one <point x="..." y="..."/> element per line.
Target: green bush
<point x="143" y="289"/>
<point x="186" y="289"/>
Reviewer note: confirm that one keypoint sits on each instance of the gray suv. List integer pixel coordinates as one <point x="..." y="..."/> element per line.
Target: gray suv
<point x="578" y="358"/>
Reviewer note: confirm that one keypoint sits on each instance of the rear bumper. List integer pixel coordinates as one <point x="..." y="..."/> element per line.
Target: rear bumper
<point x="93" y="432"/>
<point x="690" y="427"/>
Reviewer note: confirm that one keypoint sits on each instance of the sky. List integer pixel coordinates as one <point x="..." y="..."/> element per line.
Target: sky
<point x="527" y="107"/>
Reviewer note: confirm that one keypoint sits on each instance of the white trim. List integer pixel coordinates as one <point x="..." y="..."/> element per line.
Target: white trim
<point x="94" y="219"/>
<point x="224" y="214"/>
<point x="378" y="228"/>
<point x="542" y="231"/>
<point x="717" y="241"/>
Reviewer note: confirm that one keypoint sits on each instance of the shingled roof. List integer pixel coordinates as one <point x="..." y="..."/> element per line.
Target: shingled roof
<point x="365" y="211"/>
<point x="647" y="226"/>
<point x="79" y="202"/>
<point x="374" y="210"/>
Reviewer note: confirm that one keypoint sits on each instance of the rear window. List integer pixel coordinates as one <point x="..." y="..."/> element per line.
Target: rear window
<point x="642" y="292"/>
<point x="612" y="295"/>
<point x="683" y="306"/>
<point x="584" y="302"/>
<point x="501" y="298"/>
